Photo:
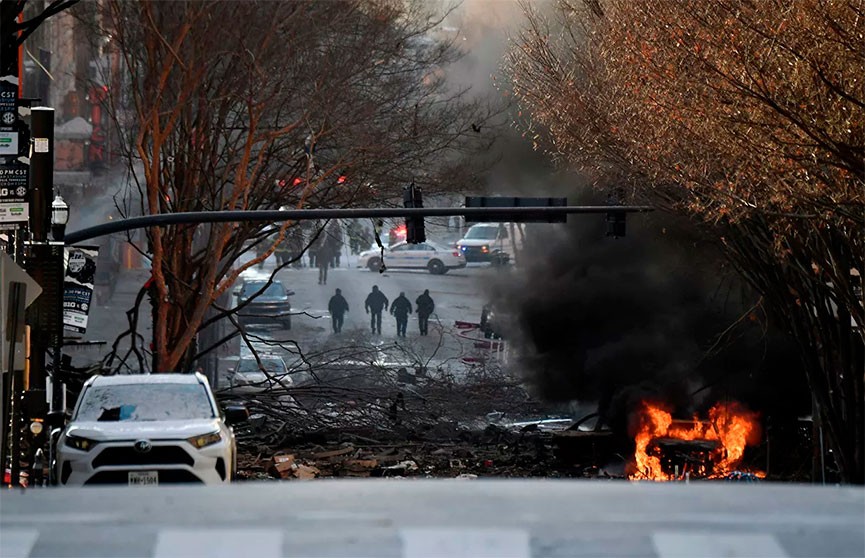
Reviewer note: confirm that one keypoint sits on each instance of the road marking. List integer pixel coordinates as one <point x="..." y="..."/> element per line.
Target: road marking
<point x="218" y="543"/>
<point x="465" y="543"/>
<point x="49" y="517"/>
<point x="716" y="545"/>
<point x="17" y="543"/>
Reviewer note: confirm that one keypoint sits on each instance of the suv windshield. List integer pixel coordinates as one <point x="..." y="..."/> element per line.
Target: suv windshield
<point x="482" y="233"/>
<point x="252" y="287"/>
<point x="145" y="402"/>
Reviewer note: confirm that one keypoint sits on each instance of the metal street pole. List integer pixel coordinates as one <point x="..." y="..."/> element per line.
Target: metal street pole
<point x="59" y="218"/>
<point x="505" y="214"/>
<point x="42" y="257"/>
<point x="11" y="408"/>
<point x="42" y="169"/>
<point x="58" y="390"/>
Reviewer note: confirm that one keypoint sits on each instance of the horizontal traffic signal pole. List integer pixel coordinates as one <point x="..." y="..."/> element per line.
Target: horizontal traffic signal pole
<point x="192" y="217"/>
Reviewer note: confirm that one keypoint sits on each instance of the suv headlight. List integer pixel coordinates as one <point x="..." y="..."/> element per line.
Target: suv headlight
<point x="205" y="440"/>
<point x="80" y="443"/>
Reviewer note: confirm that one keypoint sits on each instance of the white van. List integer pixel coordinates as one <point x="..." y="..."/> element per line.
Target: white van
<point x="491" y="242"/>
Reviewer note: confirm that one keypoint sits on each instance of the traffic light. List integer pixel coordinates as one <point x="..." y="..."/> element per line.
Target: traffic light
<point x="414" y="227"/>
<point x="616" y="224"/>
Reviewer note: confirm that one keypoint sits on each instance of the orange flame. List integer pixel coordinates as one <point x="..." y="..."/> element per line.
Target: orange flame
<point x="730" y="425"/>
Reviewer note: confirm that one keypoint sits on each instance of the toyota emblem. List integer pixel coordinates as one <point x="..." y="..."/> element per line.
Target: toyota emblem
<point x="142" y="446"/>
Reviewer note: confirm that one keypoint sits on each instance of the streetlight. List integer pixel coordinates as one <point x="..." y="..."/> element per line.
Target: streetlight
<point x="59" y="218"/>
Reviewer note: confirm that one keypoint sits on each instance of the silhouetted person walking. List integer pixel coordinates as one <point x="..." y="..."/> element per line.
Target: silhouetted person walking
<point x="337" y="307"/>
<point x="425" y="307"/>
<point x="401" y="308"/>
<point x="324" y="259"/>
<point x="334" y="240"/>
<point x="375" y="303"/>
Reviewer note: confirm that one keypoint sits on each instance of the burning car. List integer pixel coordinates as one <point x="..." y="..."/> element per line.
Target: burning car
<point x="668" y="449"/>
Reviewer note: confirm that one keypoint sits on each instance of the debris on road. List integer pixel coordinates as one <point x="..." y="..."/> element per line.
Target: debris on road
<point x="358" y="420"/>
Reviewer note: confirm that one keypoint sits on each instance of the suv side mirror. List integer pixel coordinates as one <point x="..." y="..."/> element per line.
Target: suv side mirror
<point x="235" y="414"/>
<point x="236" y="292"/>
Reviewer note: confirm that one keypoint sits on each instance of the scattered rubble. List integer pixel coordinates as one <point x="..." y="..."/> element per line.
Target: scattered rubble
<point x="368" y="422"/>
<point x="492" y="452"/>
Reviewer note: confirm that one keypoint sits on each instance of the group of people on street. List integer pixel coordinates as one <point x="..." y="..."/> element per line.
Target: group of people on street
<point x="325" y="245"/>
<point x="376" y="303"/>
<point x="324" y="249"/>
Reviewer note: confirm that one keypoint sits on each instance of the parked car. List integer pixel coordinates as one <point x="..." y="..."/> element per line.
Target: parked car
<point x="147" y="430"/>
<point x="426" y="255"/>
<point x="264" y="303"/>
<point x="490" y="242"/>
<point x="248" y="377"/>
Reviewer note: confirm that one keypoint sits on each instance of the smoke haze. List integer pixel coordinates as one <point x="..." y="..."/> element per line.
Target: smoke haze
<point x="617" y="321"/>
<point x="614" y="321"/>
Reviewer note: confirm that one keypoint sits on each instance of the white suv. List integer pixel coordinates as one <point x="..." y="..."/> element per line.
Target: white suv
<point x="491" y="242"/>
<point x="147" y="430"/>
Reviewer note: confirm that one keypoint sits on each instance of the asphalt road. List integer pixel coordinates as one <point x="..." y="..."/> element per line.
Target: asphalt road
<point x="458" y="295"/>
<point x="413" y="519"/>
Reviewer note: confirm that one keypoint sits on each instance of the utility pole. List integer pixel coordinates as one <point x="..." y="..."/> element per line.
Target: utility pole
<point x="45" y="315"/>
<point x="11" y="128"/>
<point x="25" y="209"/>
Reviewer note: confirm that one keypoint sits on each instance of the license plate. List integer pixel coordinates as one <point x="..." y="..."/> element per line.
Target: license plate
<point x="143" y="478"/>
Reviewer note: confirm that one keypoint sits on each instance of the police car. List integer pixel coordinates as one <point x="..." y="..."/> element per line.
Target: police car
<point x="426" y="255"/>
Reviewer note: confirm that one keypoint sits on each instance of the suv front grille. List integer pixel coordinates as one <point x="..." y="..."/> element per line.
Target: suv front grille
<point x="474" y="253"/>
<point x="158" y="455"/>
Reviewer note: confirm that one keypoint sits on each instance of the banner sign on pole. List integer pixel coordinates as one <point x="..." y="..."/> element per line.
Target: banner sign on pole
<point x="14" y="187"/>
<point x="78" y="286"/>
<point x="8" y="103"/>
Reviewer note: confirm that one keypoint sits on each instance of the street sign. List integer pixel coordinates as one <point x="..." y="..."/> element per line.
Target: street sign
<point x="506" y="203"/>
<point x="12" y="272"/>
<point x="14" y="187"/>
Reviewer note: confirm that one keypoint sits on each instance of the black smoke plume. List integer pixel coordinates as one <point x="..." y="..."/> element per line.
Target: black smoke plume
<point x="656" y="315"/>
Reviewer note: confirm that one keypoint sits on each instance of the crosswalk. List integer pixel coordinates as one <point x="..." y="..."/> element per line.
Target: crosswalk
<point x="218" y="543"/>
<point x="17" y="543"/>
<point x="428" y="542"/>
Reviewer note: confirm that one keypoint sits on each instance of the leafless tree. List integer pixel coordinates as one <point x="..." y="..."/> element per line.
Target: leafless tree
<point x="748" y="117"/>
<point x="261" y="105"/>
